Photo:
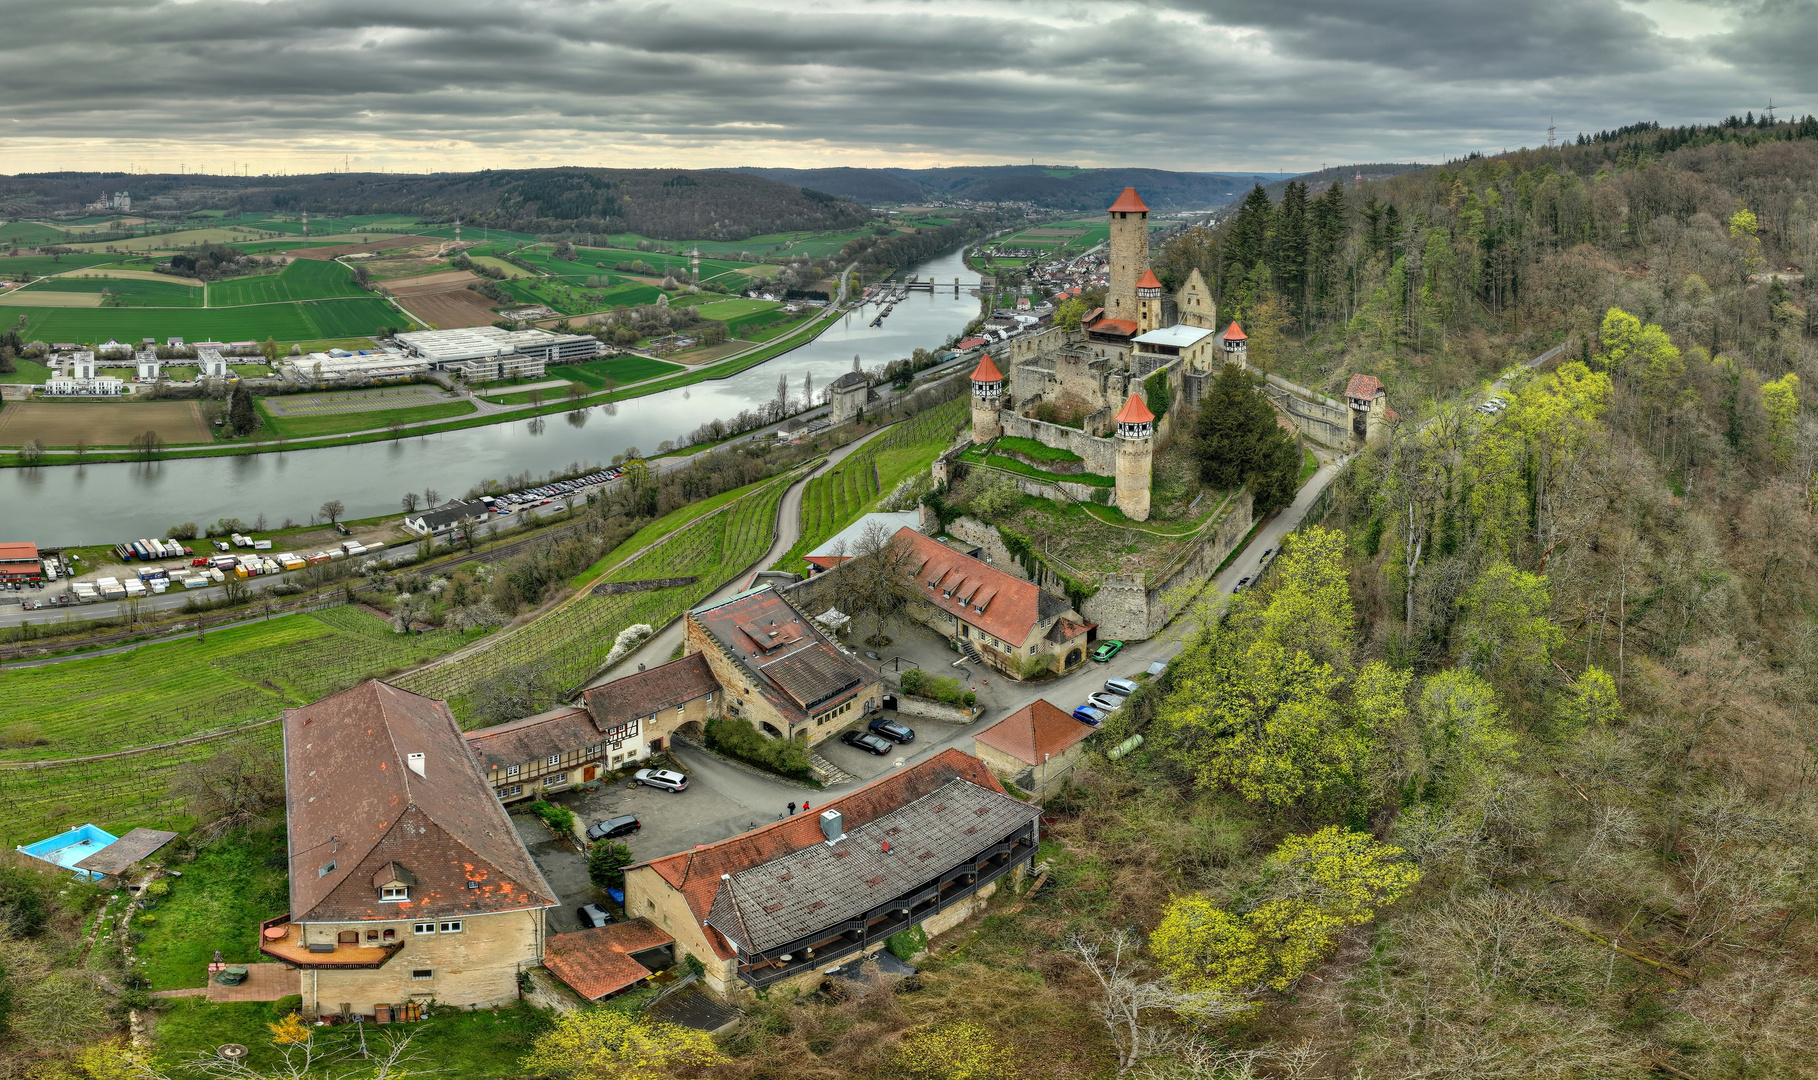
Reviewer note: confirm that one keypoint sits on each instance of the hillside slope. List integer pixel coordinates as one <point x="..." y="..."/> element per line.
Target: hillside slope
<point x="1059" y="188"/>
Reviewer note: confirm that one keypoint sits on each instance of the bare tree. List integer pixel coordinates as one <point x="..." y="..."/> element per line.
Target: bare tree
<point x="231" y="790"/>
<point x="875" y="581"/>
<point x="352" y="1055"/>
<point x="332" y="510"/>
<point x="1135" y="1010"/>
<point x="409" y="502"/>
<point x="430" y="496"/>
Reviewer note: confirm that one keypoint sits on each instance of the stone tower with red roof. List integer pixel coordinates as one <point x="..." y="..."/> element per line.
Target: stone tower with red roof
<point x="1129" y="254"/>
<point x="987" y="398"/>
<point x="1135" y="458"/>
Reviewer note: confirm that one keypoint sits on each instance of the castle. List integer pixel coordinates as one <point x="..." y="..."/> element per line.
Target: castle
<point x="1096" y="385"/>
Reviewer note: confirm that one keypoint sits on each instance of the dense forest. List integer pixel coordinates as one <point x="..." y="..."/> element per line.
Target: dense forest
<point x="665" y="204"/>
<point x="1052" y="186"/>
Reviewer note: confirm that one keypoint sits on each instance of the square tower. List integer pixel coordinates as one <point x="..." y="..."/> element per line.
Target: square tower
<point x="1129" y="254"/>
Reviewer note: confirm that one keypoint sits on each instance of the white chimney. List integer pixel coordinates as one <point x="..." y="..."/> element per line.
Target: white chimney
<point x="831" y="826"/>
<point x="415" y="761"/>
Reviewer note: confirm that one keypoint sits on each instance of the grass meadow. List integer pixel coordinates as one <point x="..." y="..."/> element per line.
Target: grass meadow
<point x="353" y="317"/>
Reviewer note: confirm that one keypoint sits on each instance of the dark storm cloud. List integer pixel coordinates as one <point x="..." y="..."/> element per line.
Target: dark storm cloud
<point x="1172" y="83"/>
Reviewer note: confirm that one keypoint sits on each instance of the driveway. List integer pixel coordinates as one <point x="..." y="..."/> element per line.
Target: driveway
<point x="563" y="867"/>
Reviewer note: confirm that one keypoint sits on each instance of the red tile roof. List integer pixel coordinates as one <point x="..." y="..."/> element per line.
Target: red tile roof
<point x="1135" y="412"/>
<point x="1234" y="332"/>
<point x="1128" y="203"/>
<point x="1032" y="731"/>
<point x="1119" y="327"/>
<point x="1366" y="387"/>
<point x="973" y="342"/>
<point x="597" y="961"/>
<point x="961" y="585"/>
<point x="354" y="804"/>
<point x="696" y="874"/>
<point x="647" y="693"/>
<point x="1148" y="281"/>
<point x="986" y="371"/>
<point x="1091" y="317"/>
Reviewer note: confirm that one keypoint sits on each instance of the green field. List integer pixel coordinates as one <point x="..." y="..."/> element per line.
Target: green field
<point x="623" y="370"/>
<point x="285" y="322"/>
<point x="30" y="233"/>
<point x="166" y="691"/>
<point x="729" y="311"/>
<point x="570" y="643"/>
<point x="136" y="292"/>
<point x="835" y="500"/>
<point x="787" y="243"/>
<point x="303" y="279"/>
<point x="303" y="427"/>
<point x="27" y="371"/>
<point x="39" y="265"/>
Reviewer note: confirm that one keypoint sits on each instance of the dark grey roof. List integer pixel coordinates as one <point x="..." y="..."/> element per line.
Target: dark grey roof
<point x="1048" y="605"/>
<point x="126" y="851"/>
<point x="814" y="674"/>
<point x="449" y="515"/>
<point x="851" y="378"/>
<point x="788" y="898"/>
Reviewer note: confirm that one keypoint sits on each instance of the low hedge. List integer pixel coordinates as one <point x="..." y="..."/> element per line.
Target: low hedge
<point x="736" y="738"/>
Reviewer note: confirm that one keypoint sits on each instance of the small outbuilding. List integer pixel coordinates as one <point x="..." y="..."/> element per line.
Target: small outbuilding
<point x="599" y="962"/>
<point x="1034" y="746"/>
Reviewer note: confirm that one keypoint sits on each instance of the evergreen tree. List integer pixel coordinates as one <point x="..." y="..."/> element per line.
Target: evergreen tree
<point x="1326" y="241"/>
<point x="1289" y="246"/>
<point x="1247" y="241"/>
<point x="1238" y="442"/>
<point x="240" y="412"/>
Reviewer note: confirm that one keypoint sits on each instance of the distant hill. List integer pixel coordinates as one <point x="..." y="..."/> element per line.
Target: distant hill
<point x="668" y="204"/>
<point x="1056" y="187"/>
<point x="1342" y="174"/>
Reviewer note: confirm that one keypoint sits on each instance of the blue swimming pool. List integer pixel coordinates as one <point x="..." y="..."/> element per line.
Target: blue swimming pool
<point x="69" y="848"/>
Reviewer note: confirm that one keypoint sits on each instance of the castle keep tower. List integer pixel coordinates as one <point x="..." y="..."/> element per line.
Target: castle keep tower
<point x="987" y="388"/>
<point x="1129" y="253"/>
<point x="1135" y="453"/>
<point x="1148" y="302"/>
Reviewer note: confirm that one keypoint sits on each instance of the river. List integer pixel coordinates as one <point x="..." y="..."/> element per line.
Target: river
<point x="86" y="504"/>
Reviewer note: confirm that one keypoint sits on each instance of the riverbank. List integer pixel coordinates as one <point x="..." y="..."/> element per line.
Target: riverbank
<point x="721" y="369"/>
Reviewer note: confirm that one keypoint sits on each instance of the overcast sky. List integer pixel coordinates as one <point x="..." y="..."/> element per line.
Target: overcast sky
<point x="411" y="85"/>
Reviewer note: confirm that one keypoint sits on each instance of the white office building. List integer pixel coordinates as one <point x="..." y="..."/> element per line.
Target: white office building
<point x="448" y="348"/>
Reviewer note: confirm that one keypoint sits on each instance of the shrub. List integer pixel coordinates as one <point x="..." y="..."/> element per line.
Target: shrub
<point x="736" y="738"/>
<point x="904" y="944"/>
<point x="559" y="818"/>
<point x="918" y="683"/>
<point x="606" y="864"/>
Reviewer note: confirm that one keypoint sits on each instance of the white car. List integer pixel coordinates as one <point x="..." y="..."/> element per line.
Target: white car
<point x="1105" y="700"/>
<point x="661" y="778"/>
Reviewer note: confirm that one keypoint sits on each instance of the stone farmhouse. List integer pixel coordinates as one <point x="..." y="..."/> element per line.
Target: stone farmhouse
<point x="1100" y="380"/>
<point x="779" y="905"/>
<point x="616" y="724"/>
<point x="407" y="880"/>
<point x="777" y="671"/>
<point x="994" y="617"/>
<point x="1033" y="747"/>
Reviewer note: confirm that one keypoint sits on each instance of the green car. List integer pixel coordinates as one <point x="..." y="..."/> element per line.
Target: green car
<point x="1106" y="650"/>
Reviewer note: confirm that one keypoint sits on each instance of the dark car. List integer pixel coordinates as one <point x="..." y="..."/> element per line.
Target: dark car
<point x="623" y="825"/>
<point x="864" y="740"/>
<point x="592" y="915"/>
<point x="892" y="730"/>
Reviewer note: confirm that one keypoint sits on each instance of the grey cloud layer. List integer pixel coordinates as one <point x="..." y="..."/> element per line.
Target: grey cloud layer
<point x="1170" y="83"/>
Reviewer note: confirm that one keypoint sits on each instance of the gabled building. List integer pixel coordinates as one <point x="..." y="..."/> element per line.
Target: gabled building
<point x="1033" y="746"/>
<point x="778" y="671"/>
<point x="617" y="724"/>
<point x="1011" y="624"/>
<point x="407" y="879"/>
<point x="923" y="846"/>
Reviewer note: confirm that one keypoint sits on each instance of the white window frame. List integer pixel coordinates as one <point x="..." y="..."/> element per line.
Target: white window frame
<point x="511" y="770"/>
<point x="394" y="894"/>
<point x="423" y="928"/>
<point x="452" y="926"/>
<point x="552" y="760"/>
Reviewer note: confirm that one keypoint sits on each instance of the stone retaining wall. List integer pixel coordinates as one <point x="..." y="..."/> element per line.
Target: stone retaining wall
<point x="1127" y="609"/>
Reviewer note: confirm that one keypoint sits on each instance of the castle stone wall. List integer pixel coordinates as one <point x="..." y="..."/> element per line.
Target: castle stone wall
<point x="1099" y="455"/>
<point x="1127" y="609"/>
<point x="1322" y="419"/>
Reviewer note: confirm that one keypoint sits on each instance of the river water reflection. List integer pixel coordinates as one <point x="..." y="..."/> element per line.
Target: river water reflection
<point x="71" y="504"/>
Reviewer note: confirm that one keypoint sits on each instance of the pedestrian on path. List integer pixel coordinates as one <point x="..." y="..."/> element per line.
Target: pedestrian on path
<point x="804" y="806"/>
<point x="791" y="809"/>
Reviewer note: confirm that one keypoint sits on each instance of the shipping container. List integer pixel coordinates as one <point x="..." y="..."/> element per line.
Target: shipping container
<point x="261" y="545"/>
<point x="134" y="587"/>
<point x="217" y="573"/>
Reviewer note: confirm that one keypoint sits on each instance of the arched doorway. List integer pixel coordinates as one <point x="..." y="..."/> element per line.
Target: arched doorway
<point x="769" y="729"/>
<point x="1074" y="657"/>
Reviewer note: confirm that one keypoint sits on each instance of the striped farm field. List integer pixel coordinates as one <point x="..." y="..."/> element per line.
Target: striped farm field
<point x="303" y="279"/>
<point x="570" y="643"/>
<point x="167" y="691"/>
<point x="134" y="291"/>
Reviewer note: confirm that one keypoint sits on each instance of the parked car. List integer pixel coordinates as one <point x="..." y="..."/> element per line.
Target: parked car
<point x="892" y="730"/>
<point x="661" y="778"/>
<point x="1242" y="584"/>
<point x="593" y="915"/>
<point x="864" y="740"/>
<point x="1105" y="700"/>
<point x="1123" y="687"/>
<point x="623" y="825"/>
<point x="1088" y="715"/>
<point x="1106" y="650"/>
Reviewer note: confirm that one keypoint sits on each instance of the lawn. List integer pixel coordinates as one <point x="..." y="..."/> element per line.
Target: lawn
<point x="27" y="371"/>
<point x="510" y="270"/>
<point x="302" y="427"/>
<point x="234" y="884"/>
<point x="1008" y="464"/>
<point x="135" y="292"/>
<point x="303" y="279"/>
<point x="456" y="1045"/>
<point x="730" y="310"/>
<point x="623" y="370"/>
<point x="1040" y="451"/>
<point x="284" y="322"/>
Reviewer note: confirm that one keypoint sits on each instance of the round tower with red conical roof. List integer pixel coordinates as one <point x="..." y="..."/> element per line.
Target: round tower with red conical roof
<point x="1135" y="457"/>
<point x="987" y="394"/>
<point x="1129" y="245"/>
<point x="1234" y="344"/>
